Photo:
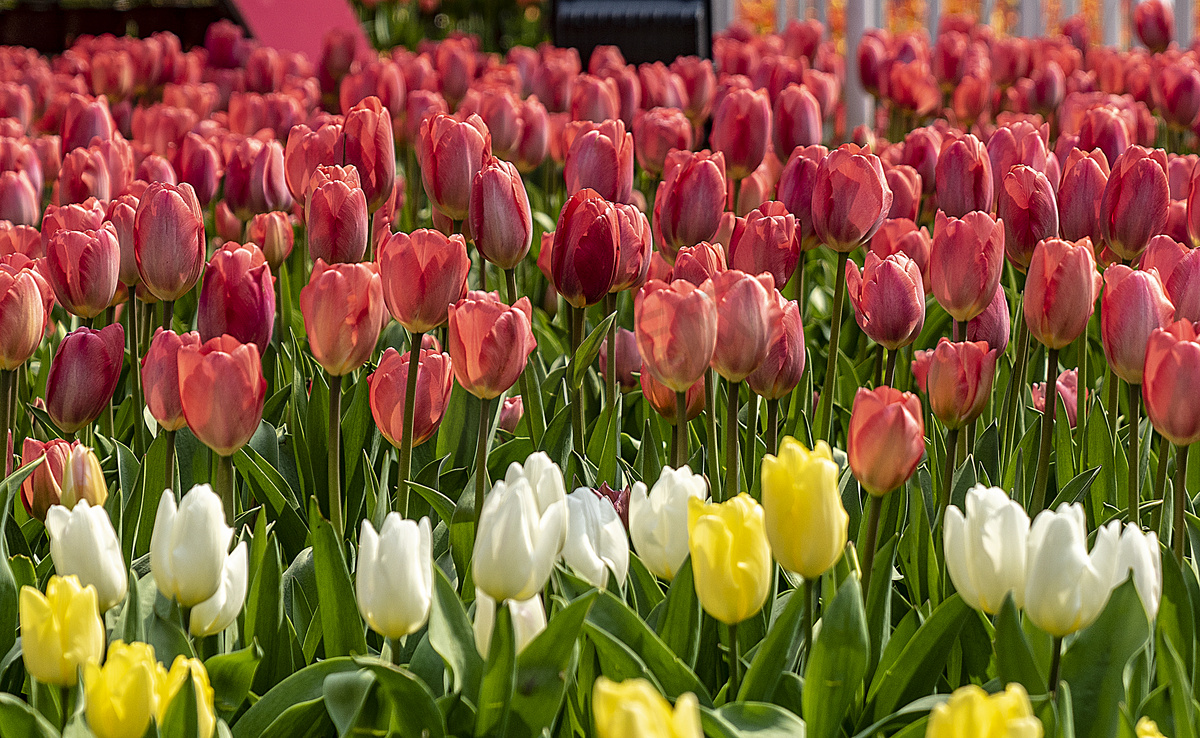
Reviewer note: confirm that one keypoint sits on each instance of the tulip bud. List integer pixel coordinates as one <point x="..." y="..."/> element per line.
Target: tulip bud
<point x="747" y="321"/>
<point x="83" y="376"/>
<point x="851" y="198"/>
<point x="1105" y="129"/>
<point x="450" y="154"/>
<point x="189" y="546"/>
<point x="84" y="544"/>
<point x="985" y="548"/>
<point x="336" y="219"/>
<point x="634" y="708"/>
<point x="389" y="385"/>
<point x="628" y="359"/>
<point x="600" y="158"/>
<point x="662" y="398"/>
<point x="534" y="143"/>
<point x="781" y="369"/>
<point x="676" y="328"/>
<point x="499" y="214"/>
<point x="963" y="177"/>
<point x="1026" y="205"/>
<point x="82" y="479"/>
<point x="586" y="247"/>
<point x="1060" y="291"/>
<point x="1154" y="21"/>
<point x="741" y="128"/>
<point x="992" y="326"/>
<point x="254" y="180"/>
<point x="343" y="308"/>
<point x="199" y="165"/>
<point x="82" y="267"/>
<point x="731" y="558"/>
<point x="1084" y="179"/>
<point x="394" y="581"/>
<point x="806" y="523"/>
<point x="959" y="382"/>
<point x="596" y="545"/>
<point x="690" y="199"/>
<point x="169" y="240"/>
<point x="511" y="412"/>
<point x="766" y="241"/>
<point x="795" y="190"/>
<point x="1134" y="304"/>
<point x="1066" y="388"/>
<point x="796" y="119"/>
<point x="61" y="631"/>
<point x="970" y="711"/>
<point x="489" y="344"/>
<point x="1134" y="206"/>
<point x="22" y="316"/>
<point x="965" y="261"/>
<point x="238" y="296"/>
<point x="370" y="147"/>
<point x="83" y="120"/>
<point x="19" y="201"/>
<point x="273" y="233"/>
<point x="121" y="696"/>
<point x="522" y="530"/>
<point x="528" y="619"/>
<point x="658" y="520"/>
<point x="905" y="184"/>
<point x="888" y="298"/>
<point x="1167" y="382"/>
<point x="886" y="439"/>
<point x="43" y="489"/>
<point x="222" y="391"/>
<point x="182" y="670"/>
<point x="658" y="131"/>
<point x="421" y="274"/>
<point x="1066" y="587"/>
<point x="160" y="377"/>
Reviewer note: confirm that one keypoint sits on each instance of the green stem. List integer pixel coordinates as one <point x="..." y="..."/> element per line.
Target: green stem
<point x="682" y="450"/>
<point x="406" y="445"/>
<point x="947" y="474"/>
<point x="825" y="407"/>
<point x="1055" y="661"/>
<point x="1181" y="496"/>
<point x="1042" y="480"/>
<point x="1011" y="416"/>
<point x="169" y="466"/>
<point x="394" y="648"/>
<point x="135" y="376"/>
<point x="335" y="455"/>
<point x="735" y="664"/>
<point x="1134" y="491"/>
<point x="168" y="312"/>
<point x="890" y="374"/>
<point x="481" y="450"/>
<point x="962" y="330"/>
<point x="576" y="392"/>
<point x="610" y="307"/>
<point x="6" y="409"/>
<point x="868" y="560"/>
<point x="1081" y="402"/>
<point x="750" y="441"/>
<point x="1160" y="481"/>
<point x="225" y="487"/>
<point x="799" y="280"/>
<point x="732" y="480"/>
<point x="533" y="419"/>
<point x="810" y="613"/>
<point x="712" y="464"/>
<point x="772" y="426"/>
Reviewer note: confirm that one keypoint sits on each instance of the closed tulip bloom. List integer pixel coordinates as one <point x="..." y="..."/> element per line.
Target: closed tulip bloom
<point x="888" y="298"/>
<point x="82" y="479"/>
<point x="169" y="240"/>
<point x="20" y="239"/>
<point x="1183" y="286"/>
<point x="1134" y="206"/>
<point x="499" y="214"/>
<point x="1067" y="389"/>
<point x="905" y="184"/>
<point x="199" y="164"/>
<point x="19" y="201"/>
<point x="189" y="546"/>
<point x="902" y="236"/>
<point x="731" y="557"/>
<point x="886" y="439"/>
<point x="254" y="180"/>
<point x="84" y="544"/>
<point x="42" y="489"/>
<point x="1134" y="304"/>
<point x="676" y="327"/>
<point x="336" y="219"/>
<point x="1154" y="21"/>
<point x="964" y="177"/>
<point x="160" y="377"/>
<point x="690" y="199"/>
<point x="274" y="235"/>
<point x="183" y="670"/>
<point x="741" y="129"/>
<point x="61" y="631"/>
<point x="82" y="267"/>
<point x="1168" y="382"/>
<point x="1138" y="553"/>
<point x="388" y="387"/>
<point x="985" y="548"/>
<point x="83" y="375"/>
<point x="122" y="696"/>
<point x="634" y="709"/>
<point x="1060" y="291"/>
<point x="806" y="523"/>
<point x="1105" y="129"/>
<point x="120" y="217"/>
<point x="783" y="366"/>
<point x="658" y="131"/>
<point x="306" y="150"/>
<point x="796" y="119"/>
<point x="511" y="412"/>
<point x="662" y="398"/>
<point x="600" y="158"/>
<point x="451" y="153"/>
<point x="966" y="258"/>
<point x="658" y="520"/>
<point x="218" y="612"/>
<point x="766" y="241"/>
<point x="528" y="620"/>
<point x="972" y="713"/>
<point x="795" y="191"/>
<point x="370" y="147"/>
<point x="747" y="321"/>
<point x="490" y="342"/>
<point x="343" y="308"/>
<point x="394" y="581"/>
<point x="85" y="119"/>
<point x="521" y="534"/>
<point x="993" y="325"/>
<point x="628" y="360"/>
<point x="1084" y="179"/>
<point x="1026" y="204"/>
<point x="585" y="255"/>
<point x="634" y="248"/>
<point x="22" y="317"/>
<point x="534" y="143"/>
<point x="960" y="380"/>
<point x="238" y="296"/>
<point x="222" y="391"/>
<point x="1066" y="585"/>
<point x="695" y="264"/>
<point x="851" y="198"/>
<point x="422" y="274"/>
<point x="596" y="545"/>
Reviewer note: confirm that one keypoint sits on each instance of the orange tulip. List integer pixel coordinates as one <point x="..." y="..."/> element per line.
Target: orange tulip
<point x="422" y="275"/>
<point x="886" y="439"/>
<point x="1169" y="381"/>
<point x="490" y="342"/>
<point x="388" y="385"/>
<point x="343" y="312"/>
<point x="959" y="381"/>
<point x="222" y="390"/>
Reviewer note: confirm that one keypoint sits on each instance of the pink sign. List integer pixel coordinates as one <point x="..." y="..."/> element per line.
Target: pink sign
<point x="299" y="25"/>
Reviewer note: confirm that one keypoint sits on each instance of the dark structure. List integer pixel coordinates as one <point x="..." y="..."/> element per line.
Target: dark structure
<point x="50" y="26"/>
<point x="645" y="30"/>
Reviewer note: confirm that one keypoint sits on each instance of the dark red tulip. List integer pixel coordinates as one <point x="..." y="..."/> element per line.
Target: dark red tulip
<point x="238" y="296"/>
<point x="888" y="298"/>
<point x="83" y="376"/>
<point x="600" y="158"/>
<point x="1084" y="178"/>
<point x="584" y="258"/>
<point x="1134" y="207"/>
<point x="690" y="199"/>
<point x="1154" y="21"/>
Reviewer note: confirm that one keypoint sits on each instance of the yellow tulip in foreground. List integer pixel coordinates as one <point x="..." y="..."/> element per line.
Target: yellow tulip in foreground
<point x="122" y="695"/>
<point x="60" y="630"/>
<point x="973" y="713"/>
<point x="731" y="559"/>
<point x="1147" y="728"/>
<point x="634" y="709"/>
<point x="181" y="671"/>
<point x="806" y="522"/>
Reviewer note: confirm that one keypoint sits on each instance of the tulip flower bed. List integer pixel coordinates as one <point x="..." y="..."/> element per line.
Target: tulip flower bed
<point x="614" y="403"/>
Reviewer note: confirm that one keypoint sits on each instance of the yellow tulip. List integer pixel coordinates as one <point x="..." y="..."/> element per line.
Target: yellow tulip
<point x="972" y="713"/>
<point x="60" y="631"/>
<point x="731" y="559"/>
<point x="634" y="709"/>
<point x="1147" y="728"/>
<point x="122" y="695"/>
<point x="183" y="669"/>
<point x="83" y="479"/>
<point x="806" y="522"/>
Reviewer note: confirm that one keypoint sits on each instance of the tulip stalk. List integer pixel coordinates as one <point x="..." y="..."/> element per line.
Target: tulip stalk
<point x="481" y="449"/>
<point x="1055" y="662"/>
<point x="335" y="450"/>
<point x="948" y="473"/>
<point x="168" y="314"/>
<point x="810" y="614"/>
<point x="731" y="441"/>
<point x="6" y="409"/>
<point x="710" y="427"/>
<point x="868" y="559"/>
<point x="825" y="405"/>
<point x="135" y="375"/>
<point x="682" y="442"/>
<point x="1177" y="540"/>
<point x="576" y="392"/>
<point x="889" y="375"/>
<point x="535" y="426"/>
<point x="169" y="466"/>
<point x="406" y="446"/>
<point x="1160" y="481"/>
<point x="224" y="485"/>
<point x="1042" y="480"/>
<point x="772" y="431"/>
<point x="1134" y="455"/>
<point x="735" y="664"/>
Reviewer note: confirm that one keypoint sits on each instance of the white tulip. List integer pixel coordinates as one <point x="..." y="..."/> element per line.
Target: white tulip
<point x="528" y="618"/>
<point x="658" y="522"/>
<point x="1067" y="587"/>
<point x="189" y="546"/>
<point x="518" y="540"/>
<point x="395" y="575"/>
<point x="83" y="543"/>
<point x="1139" y="552"/>
<point x="219" y="611"/>
<point x="596" y="541"/>
<point x="544" y="476"/>
<point x="985" y="550"/>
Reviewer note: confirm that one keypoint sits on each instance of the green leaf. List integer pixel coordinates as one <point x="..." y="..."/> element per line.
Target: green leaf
<point x="544" y="668"/>
<point x="19" y="719"/>
<point x="879" y="597"/>
<point x="452" y="637"/>
<point x="414" y="711"/>
<point x="679" y="622"/>
<point x="182" y="718"/>
<point x="500" y="672"/>
<point x="837" y="663"/>
<point x="588" y="350"/>
<point x="345" y="694"/>
<point x="777" y="652"/>
<point x="438" y="502"/>
<point x="1015" y="661"/>
<point x="1171" y="671"/>
<point x="231" y="675"/>
<point x="758" y="719"/>
<point x="340" y="622"/>
<point x="919" y="665"/>
<point x="1175" y="618"/>
<point x="304" y="686"/>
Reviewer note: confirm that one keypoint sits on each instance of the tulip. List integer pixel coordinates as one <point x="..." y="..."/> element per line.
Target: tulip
<point x="600" y="158"/>
<point x="1154" y="21"/>
<point x="1167" y="382"/>
<point x="851" y="198"/>
<point x="741" y="128"/>
<point x="886" y="438"/>
<point x="336" y="219"/>
<point x="663" y="399"/>
<point x="901" y="235"/>
<point x="960" y="381"/>
<point x="85" y="119"/>
<point x="254" y="179"/>
<point x="22" y="317"/>
<point x="122" y="696"/>
<point x="806" y="523"/>
<point x="971" y="712"/>
<point x="731" y="557"/>
<point x="160" y="377"/>
<point x="394" y="582"/>
<point x="781" y="369"/>
<point x="585" y="255"/>
<point x="796" y="119"/>
<point x="388" y="393"/>
<point x="343" y="308"/>
<point x="181" y="671"/>
<point x="370" y="147"/>
<point x="1105" y="129"/>
<point x="511" y="412"/>
<point x="82" y="267"/>
<point x="628" y="360"/>
<point x="1066" y="586"/>
<point x="1138" y="553"/>
<point x="658" y="131"/>
<point x="658" y="520"/>
<point x="1067" y="389"/>
<point x="1020" y="143"/>
<point x="634" y="248"/>
<point x="83" y="376"/>
<point x="965" y="262"/>
<point x="676" y="328"/>
<point x="306" y="150"/>
<point x="696" y="264"/>
<point x="1026" y="204"/>
<point x="499" y="214"/>
<point x="500" y="110"/>
<point x="766" y="241"/>
<point x="985" y="549"/>
<point x="450" y="154"/>
<point x="522" y="530"/>
<point x="238" y="296"/>
<point x="747" y="316"/>
<point x="963" y="177"/>
<point x="1134" y="304"/>
<point x="905" y="184"/>
<point x="19" y="201"/>
<point x="199" y="164"/>
<point x="528" y="620"/>
<point x="169" y="240"/>
<point x="795" y="190"/>
<point x="20" y="239"/>
<point x="690" y="199"/>
<point x="1134" y="207"/>
<point x="61" y="631"/>
<point x="84" y="174"/>
<point x="272" y="232"/>
<point x="489" y="344"/>
<point x="634" y="709"/>
<point x="596" y="545"/>
<point x="1183" y="283"/>
<point x="888" y="298"/>
<point x="218" y="612"/>
<point x="82" y="479"/>
<point x="83" y="544"/>
<point x="1060" y="291"/>
<point x="222" y="390"/>
<point x="43" y="489"/>
<point x="1084" y="179"/>
<point x="992" y="326"/>
<point x="534" y="143"/>
<point x="422" y="274"/>
<point x="189" y="546"/>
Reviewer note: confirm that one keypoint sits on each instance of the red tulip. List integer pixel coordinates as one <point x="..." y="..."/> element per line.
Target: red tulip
<point x="741" y="128"/>
<point x="992" y="326"/>
<point x="336" y="218"/>
<point x="422" y="274"/>
<point x="306" y="150"/>
<point x="84" y="120"/>
<point x="783" y="366"/>
<point x="19" y="201"/>
<point x="1060" y="291"/>
<point x="168" y="238"/>
<point x="888" y="299"/>
<point x="959" y="381"/>
<point x="22" y="316"/>
<point x="389" y="383"/>
<point x="1155" y="24"/>
<point x="1169" y="382"/>
<point x="921" y="362"/>
<point x="690" y="199"/>
<point x="658" y="131"/>
<point x="1083" y="182"/>
<point x="84" y="174"/>
<point x="886" y="439"/>
<point x="534" y="143"/>
<point x="796" y="119"/>
<point x="1164" y="254"/>
<point x="585" y="255"/>
<point x="902" y="236"/>
<point x="1177" y="92"/>
<point x="965" y="261"/>
<point x="1134" y="207"/>
<point x="633" y="250"/>
<point x="238" y="296"/>
<point x="1026" y="204"/>
<point x="500" y="110"/>
<point x="499" y="214"/>
<point x="222" y="390"/>
<point x="905" y="184"/>
<point x="662" y="398"/>
<point x="160" y="377"/>
<point x="42" y="489"/>
<point x="676" y="328"/>
<point x="594" y="99"/>
<point x="273" y="232"/>
<point x="765" y="241"/>
<point x="628" y="360"/>
<point x="1066" y="388"/>
<point x="1017" y="143"/>
<point x="851" y="198"/>
<point x="1183" y="286"/>
<point x="964" y="177"/>
<point x="83" y="376"/>
<point x="490" y="342"/>
<point x="795" y="191"/>
<point x="1193" y="208"/>
<point x="82" y="267"/>
<point x="700" y="84"/>
<point x="600" y="157"/>
<point x="343" y="312"/>
<point x="1133" y="306"/>
<point x="1103" y="128"/>
<point x="748" y="320"/>
<point x="370" y="147"/>
<point x="451" y="153"/>
<point x="696" y="264"/>
<point x="922" y="148"/>
<point x="421" y="105"/>
<point x="254" y="180"/>
<point x="511" y="412"/>
<point x="120" y="217"/>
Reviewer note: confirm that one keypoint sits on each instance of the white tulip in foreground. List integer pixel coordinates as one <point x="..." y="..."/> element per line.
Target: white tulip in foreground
<point x="1139" y="553"/>
<point x="83" y="543"/>
<point x="519" y="539"/>
<point x="189" y="546"/>
<point x="394" y="582"/>
<point x="658" y="521"/>
<point x="528" y="617"/>
<point x="985" y="550"/>
<point x="1067" y="586"/>
<point x="219" y="611"/>
<point x="596" y="540"/>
